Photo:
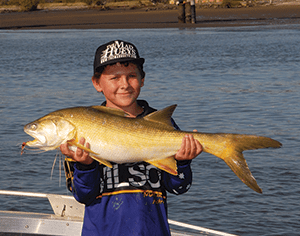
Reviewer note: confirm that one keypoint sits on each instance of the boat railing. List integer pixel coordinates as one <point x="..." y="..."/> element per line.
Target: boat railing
<point x="66" y="207"/>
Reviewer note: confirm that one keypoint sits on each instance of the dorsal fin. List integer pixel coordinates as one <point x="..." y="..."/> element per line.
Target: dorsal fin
<point x="113" y="111"/>
<point x="162" y="116"/>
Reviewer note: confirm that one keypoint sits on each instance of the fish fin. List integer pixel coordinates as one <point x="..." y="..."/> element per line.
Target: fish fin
<point x="74" y="143"/>
<point x="234" y="158"/>
<point x="238" y="165"/>
<point x="102" y="161"/>
<point x="168" y="164"/>
<point x="162" y="116"/>
<point x="113" y="111"/>
<point x="94" y="156"/>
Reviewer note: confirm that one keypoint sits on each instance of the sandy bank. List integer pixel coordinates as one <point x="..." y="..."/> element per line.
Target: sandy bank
<point x="84" y="18"/>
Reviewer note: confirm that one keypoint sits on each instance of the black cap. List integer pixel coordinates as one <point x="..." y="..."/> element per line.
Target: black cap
<point x="116" y="51"/>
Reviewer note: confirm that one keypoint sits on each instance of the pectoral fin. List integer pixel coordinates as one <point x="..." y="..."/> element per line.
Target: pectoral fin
<point x="102" y="161"/>
<point x="168" y="164"/>
<point x="74" y="143"/>
<point x="94" y="156"/>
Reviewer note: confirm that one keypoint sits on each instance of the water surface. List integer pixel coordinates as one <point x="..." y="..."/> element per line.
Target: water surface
<point x="237" y="80"/>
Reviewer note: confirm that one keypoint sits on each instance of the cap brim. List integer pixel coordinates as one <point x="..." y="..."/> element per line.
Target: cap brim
<point x="139" y="61"/>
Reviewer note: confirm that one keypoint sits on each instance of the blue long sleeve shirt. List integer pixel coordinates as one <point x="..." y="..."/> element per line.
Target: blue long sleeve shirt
<point x="128" y="199"/>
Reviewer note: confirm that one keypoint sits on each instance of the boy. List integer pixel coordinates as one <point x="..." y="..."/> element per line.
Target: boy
<point x="128" y="199"/>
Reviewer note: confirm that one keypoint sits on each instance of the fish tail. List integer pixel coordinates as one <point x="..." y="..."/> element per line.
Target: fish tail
<point x="238" y="165"/>
<point x="234" y="158"/>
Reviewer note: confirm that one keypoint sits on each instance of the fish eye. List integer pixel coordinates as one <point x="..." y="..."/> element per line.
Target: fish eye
<point x="33" y="127"/>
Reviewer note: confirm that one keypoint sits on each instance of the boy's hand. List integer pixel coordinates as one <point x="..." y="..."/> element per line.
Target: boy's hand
<point x="80" y="155"/>
<point x="190" y="148"/>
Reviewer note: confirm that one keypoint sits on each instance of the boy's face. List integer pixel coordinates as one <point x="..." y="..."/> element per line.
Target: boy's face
<point x="120" y="84"/>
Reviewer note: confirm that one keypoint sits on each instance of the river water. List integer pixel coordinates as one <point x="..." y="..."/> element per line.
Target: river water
<point x="230" y="79"/>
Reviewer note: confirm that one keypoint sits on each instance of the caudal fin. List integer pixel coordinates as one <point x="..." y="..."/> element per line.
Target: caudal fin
<point x="235" y="160"/>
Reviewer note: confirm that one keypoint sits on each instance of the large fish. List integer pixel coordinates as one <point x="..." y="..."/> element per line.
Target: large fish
<point x="113" y="137"/>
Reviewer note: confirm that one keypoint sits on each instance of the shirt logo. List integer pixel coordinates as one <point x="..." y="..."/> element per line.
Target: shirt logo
<point x="141" y="176"/>
<point x="118" y="50"/>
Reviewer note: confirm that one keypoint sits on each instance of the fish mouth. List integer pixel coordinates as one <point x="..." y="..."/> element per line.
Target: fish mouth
<point x="32" y="130"/>
<point x="34" y="143"/>
<point x="39" y="140"/>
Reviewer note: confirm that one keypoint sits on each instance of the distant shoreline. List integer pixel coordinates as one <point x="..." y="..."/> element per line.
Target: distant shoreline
<point x="83" y="18"/>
